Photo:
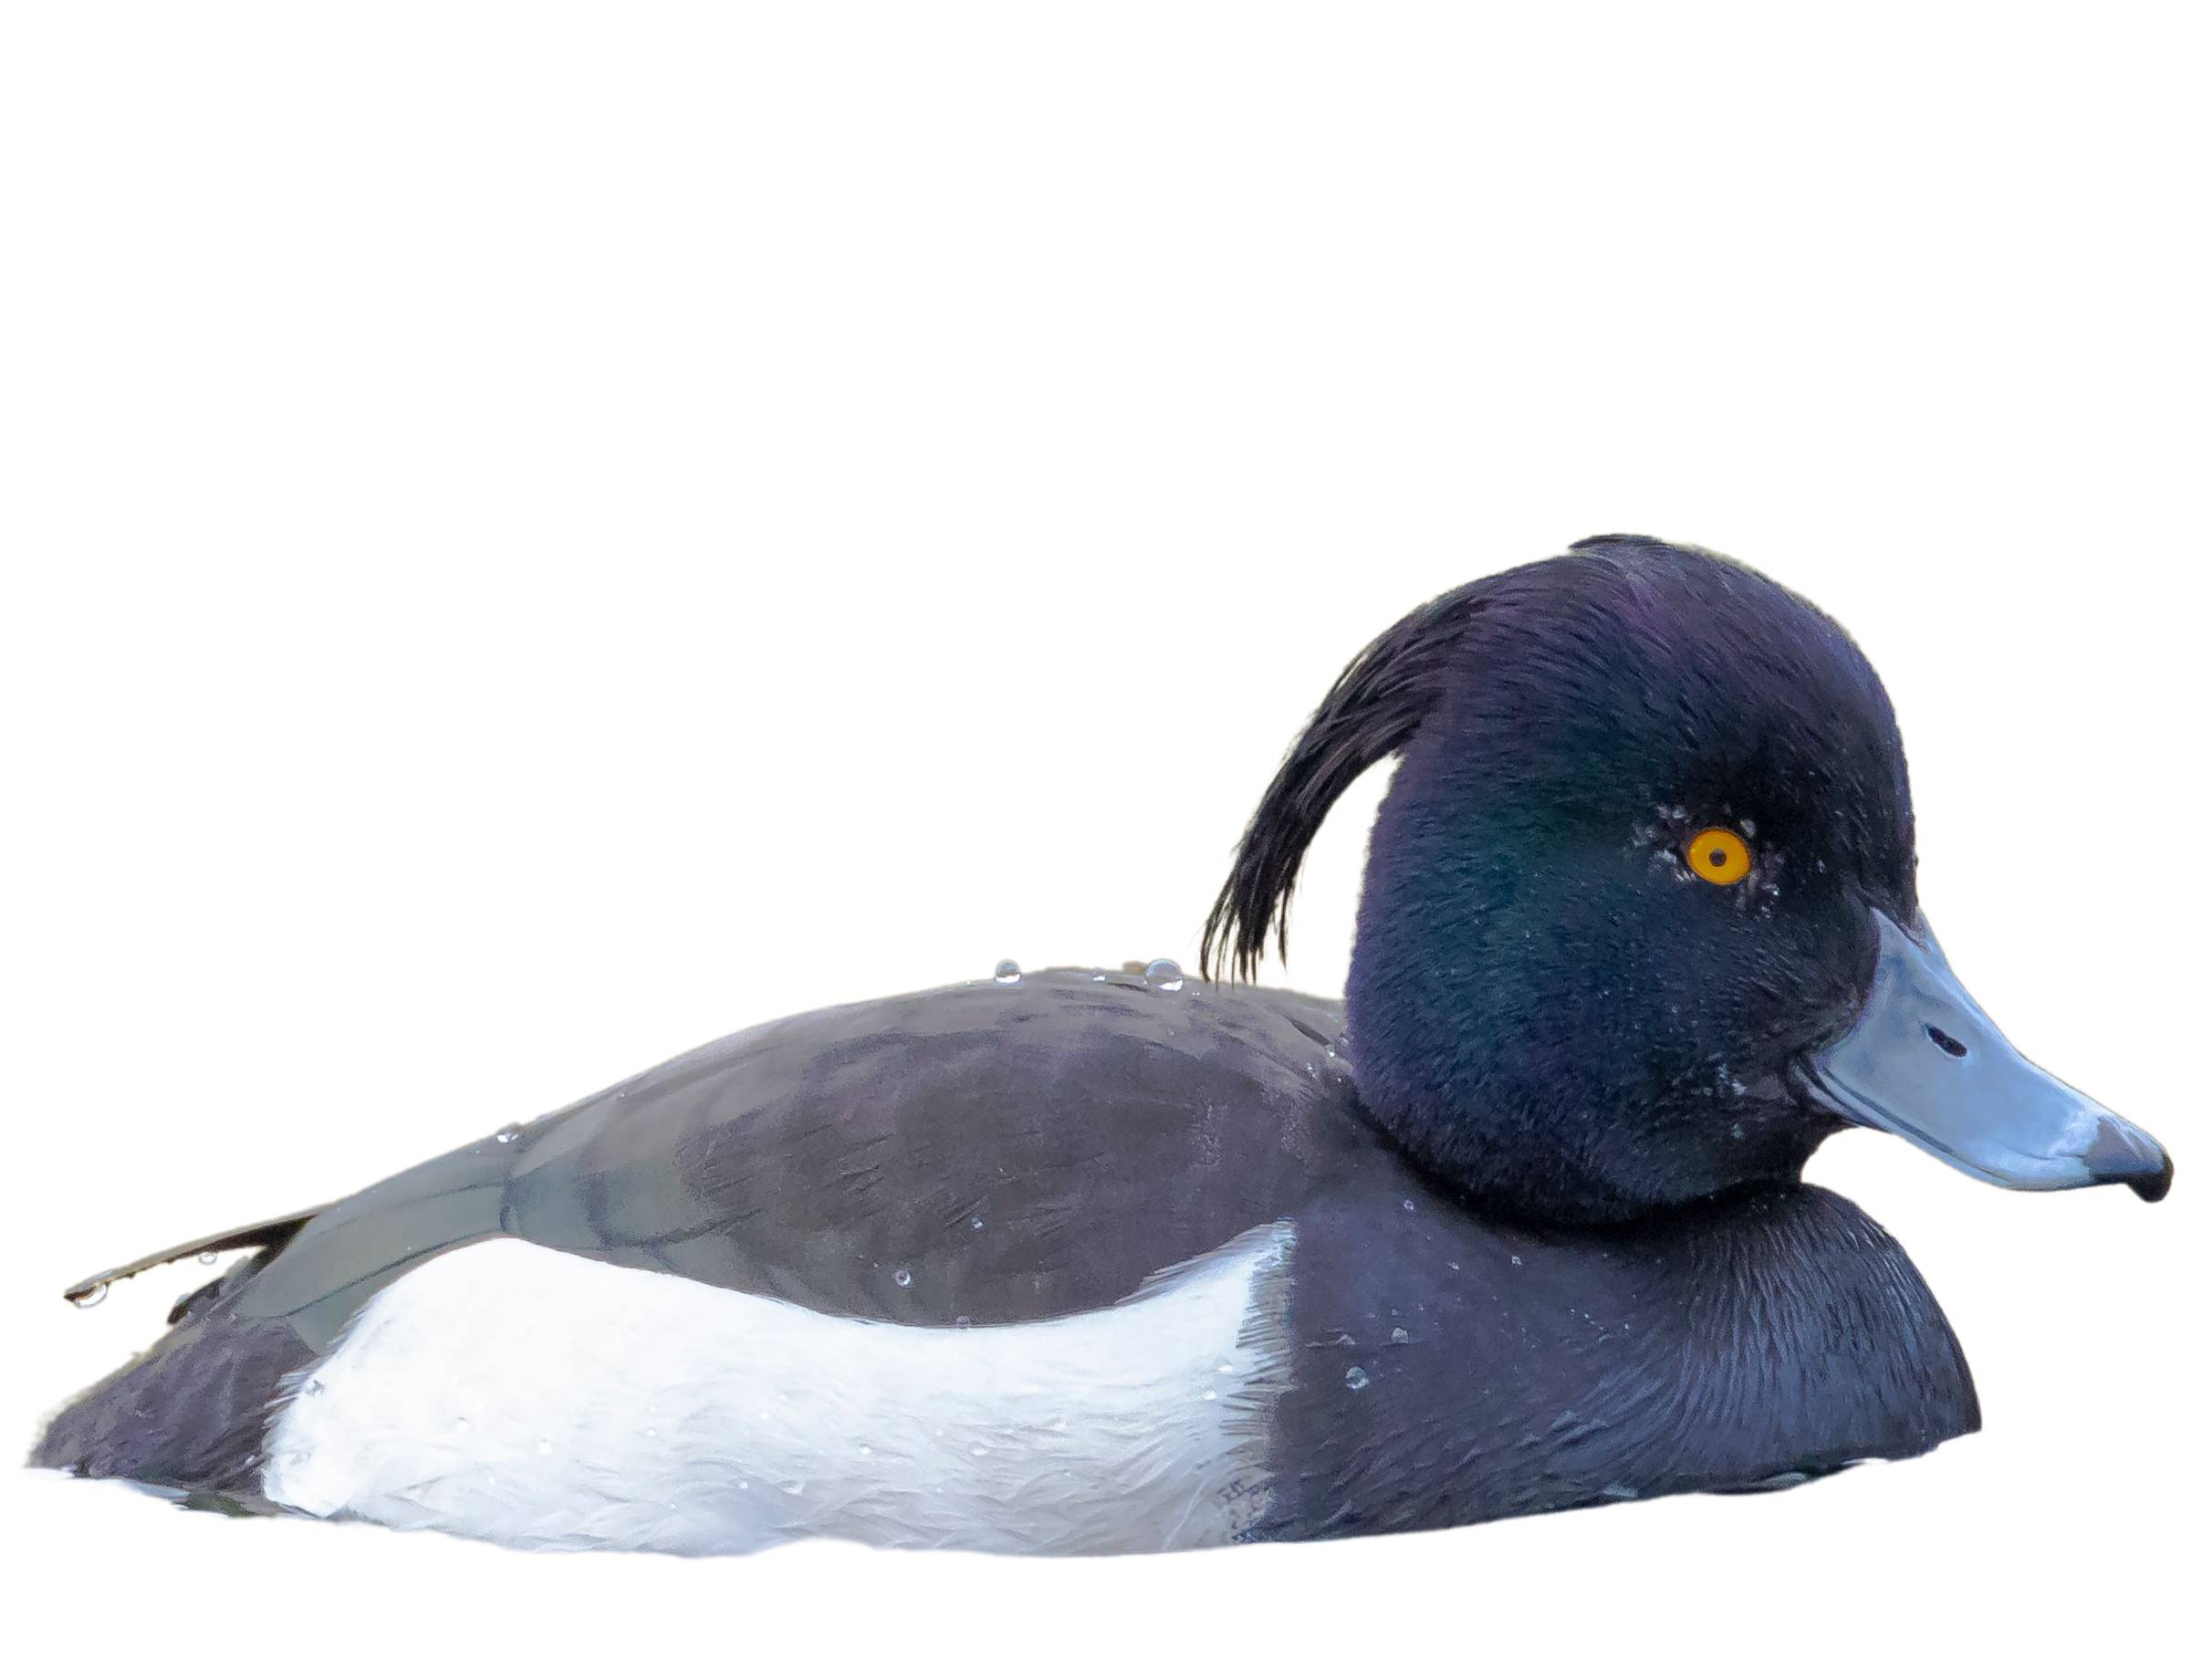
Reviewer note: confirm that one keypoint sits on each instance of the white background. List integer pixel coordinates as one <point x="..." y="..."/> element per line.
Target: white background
<point x="536" y="536"/>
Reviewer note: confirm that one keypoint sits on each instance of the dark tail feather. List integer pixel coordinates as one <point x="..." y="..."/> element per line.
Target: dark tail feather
<point x="191" y="1412"/>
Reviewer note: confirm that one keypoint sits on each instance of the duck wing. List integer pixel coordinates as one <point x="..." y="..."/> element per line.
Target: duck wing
<point x="274" y="1233"/>
<point x="980" y="1153"/>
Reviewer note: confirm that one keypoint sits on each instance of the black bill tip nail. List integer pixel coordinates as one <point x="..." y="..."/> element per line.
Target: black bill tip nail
<point x="2152" y="1187"/>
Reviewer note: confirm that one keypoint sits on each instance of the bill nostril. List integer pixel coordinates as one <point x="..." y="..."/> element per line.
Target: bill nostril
<point x="1943" y="1039"/>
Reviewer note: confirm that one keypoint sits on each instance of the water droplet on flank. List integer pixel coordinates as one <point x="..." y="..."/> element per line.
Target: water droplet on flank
<point x="1355" y="1378"/>
<point x="866" y="1450"/>
<point x="313" y="1385"/>
<point x="1209" y="1394"/>
<point x="1162" y="974"/>
<point x="1407" y="1205"/>
<point x="796" y="1488"/>
<point x="975" y="1223"/>
<point x="1517" y="1261"/>
<point x="90" y="1298"/>
<point x="1397" y="1334"/>
<point x="207" y="1258"/>
<point x="1007" y="972"/>
<point x="901" y="1277"/>
<point x="510" y="1135"/>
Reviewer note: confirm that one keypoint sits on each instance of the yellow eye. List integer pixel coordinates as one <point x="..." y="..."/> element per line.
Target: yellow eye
<point x="1719" y="856"/>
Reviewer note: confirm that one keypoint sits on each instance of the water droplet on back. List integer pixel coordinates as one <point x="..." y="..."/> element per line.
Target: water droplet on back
<point x="1162" y="974"/>
<point x="510" y="1135"/>
<point x="90" y="1298"/>
<point x="207" y="1258"/>
<point x="901" y="1277"/>
<point x="1355" y="1378"/>
<point x="1007" y="972"/>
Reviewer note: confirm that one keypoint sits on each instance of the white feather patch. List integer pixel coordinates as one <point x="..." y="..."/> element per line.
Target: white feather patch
<point x="537" y="1398"/>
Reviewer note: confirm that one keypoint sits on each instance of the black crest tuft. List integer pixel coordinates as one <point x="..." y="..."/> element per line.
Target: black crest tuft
<point x="1376" y="705"/>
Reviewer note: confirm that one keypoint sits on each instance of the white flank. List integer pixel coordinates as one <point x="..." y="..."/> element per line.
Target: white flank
<point x="508" y="1391"/>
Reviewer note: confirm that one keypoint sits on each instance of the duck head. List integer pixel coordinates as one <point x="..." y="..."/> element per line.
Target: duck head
<point x="1639" y="922"/>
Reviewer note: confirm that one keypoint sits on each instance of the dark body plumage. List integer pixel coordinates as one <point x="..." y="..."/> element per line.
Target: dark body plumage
<point x="1104" y="1130"/>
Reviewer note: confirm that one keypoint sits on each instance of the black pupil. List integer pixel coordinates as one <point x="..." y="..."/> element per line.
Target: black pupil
<point x="1717" y="857"/>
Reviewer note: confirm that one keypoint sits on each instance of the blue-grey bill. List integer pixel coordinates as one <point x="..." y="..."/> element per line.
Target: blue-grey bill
<point x="1924" y="1061"/>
